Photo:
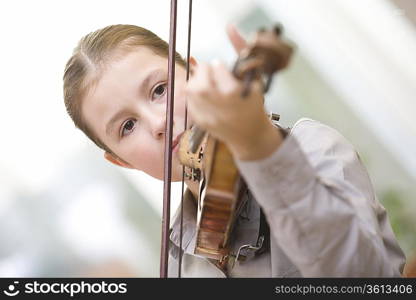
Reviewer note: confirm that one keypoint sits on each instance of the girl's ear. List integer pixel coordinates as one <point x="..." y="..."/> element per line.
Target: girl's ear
<point x="115" y="160"/>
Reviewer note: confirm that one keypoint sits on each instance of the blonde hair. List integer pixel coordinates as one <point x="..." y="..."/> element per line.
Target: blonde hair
<point x="90" y="57"/>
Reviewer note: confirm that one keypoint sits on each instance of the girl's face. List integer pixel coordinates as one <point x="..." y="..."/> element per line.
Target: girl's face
<point x="126" y="109"/>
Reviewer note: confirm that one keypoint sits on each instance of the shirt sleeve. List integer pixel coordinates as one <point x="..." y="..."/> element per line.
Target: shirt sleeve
<point x="321" y="207"/>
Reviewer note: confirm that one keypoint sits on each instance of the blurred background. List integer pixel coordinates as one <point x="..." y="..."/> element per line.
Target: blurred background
<point x="65" y="211"/>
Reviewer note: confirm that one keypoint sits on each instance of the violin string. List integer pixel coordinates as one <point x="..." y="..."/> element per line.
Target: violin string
<point x="188" y="52"/>
<point x="168" y="144"/>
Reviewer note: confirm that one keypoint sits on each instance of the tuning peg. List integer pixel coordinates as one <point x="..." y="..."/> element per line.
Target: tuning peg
<point x="278" y="29"/>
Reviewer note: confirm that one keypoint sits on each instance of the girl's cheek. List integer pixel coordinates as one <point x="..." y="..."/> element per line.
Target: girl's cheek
<point x="147" y="159"/>
<point x="154" y="167"/>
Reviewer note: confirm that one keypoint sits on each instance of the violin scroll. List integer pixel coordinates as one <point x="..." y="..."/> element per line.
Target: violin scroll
<point x="267" y="54"/>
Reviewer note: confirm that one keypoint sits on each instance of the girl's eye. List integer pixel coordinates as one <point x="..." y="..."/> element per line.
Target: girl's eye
<point x="159" y="91"/>
<point x="128" y="127"/>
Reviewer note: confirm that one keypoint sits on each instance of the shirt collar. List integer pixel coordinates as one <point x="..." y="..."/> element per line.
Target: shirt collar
<point x="189" y="224"/>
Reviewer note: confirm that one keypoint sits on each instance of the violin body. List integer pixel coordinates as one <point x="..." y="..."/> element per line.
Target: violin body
<point x="220" y="194"/>
<point x="219" y="200"/>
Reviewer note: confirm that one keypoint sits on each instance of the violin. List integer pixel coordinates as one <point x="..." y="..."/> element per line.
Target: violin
<point x="209" y="162"/>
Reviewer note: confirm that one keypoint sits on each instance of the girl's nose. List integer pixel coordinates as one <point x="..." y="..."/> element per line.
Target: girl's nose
<point x="158" y="129"/>
<point x="157" y="124"/>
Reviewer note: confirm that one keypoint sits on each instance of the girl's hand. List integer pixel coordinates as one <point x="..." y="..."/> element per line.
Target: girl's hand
<point x="215" y="104"/>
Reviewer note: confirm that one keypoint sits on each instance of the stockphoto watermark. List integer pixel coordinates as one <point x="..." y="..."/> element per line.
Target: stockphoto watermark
<point x="69" y="288"/>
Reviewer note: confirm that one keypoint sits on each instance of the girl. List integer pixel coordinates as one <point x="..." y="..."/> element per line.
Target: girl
<point x="318" y="200"/>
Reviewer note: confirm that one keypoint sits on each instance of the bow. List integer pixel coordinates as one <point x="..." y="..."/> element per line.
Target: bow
<point x="168" y="140"/>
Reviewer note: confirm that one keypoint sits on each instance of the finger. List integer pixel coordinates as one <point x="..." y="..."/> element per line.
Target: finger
<point x="201" y="79"/>
<point x="246" y="66"/>
<point x="225" y="81"/>
<point x="236" y="39"/>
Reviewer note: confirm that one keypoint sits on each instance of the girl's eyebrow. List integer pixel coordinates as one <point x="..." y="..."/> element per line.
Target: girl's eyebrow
<point x="151" y="76"/>
<point x="114" y="118"/>
<point x="144" y="85"/>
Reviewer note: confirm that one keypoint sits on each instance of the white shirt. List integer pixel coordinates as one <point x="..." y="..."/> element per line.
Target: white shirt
<point x="324" y="217"/>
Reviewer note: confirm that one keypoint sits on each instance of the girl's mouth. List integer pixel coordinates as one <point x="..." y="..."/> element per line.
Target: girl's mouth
<point x="175" y="142"/>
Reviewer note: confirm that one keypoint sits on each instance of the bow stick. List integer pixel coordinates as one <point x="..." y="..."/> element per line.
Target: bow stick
<point x="167" y="178"/>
